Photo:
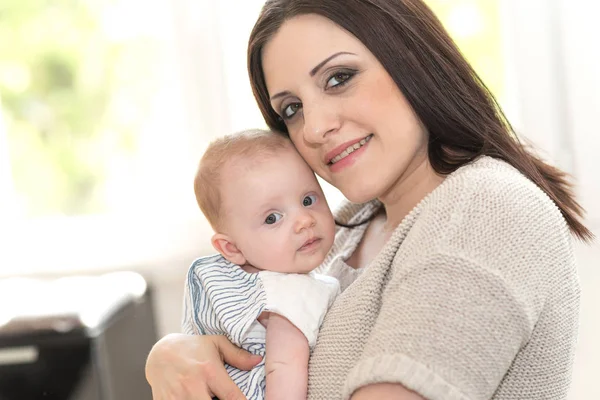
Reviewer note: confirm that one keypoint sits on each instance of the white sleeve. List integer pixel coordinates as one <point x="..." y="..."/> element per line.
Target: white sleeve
<point x="302" y="299"/>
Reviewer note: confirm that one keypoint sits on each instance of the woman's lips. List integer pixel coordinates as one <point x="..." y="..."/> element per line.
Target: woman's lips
<point x="349" y="159"/>
<point x="340" y="149"/>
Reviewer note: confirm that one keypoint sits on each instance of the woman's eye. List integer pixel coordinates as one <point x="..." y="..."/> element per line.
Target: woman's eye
<point x="309" y="200"/>
<point x="338" y="79"/>
<point x="272" y="218"/>
<point x="290" y="110"/>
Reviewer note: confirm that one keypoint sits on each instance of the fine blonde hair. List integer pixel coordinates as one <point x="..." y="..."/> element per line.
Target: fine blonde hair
<point x="246" y="145"/>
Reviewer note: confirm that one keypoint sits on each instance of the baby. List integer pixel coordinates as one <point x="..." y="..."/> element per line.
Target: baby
<point x="273" y="227"/>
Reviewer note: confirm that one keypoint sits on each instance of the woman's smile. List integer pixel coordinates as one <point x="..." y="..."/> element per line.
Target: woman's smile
<point x="346" y="154"/>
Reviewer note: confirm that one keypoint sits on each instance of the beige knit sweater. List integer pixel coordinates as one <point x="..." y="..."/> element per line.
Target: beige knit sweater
<point x="475" y="296"/>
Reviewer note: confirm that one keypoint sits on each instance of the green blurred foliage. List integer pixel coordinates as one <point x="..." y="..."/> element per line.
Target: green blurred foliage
<point x="475" y="27"/>
<point x="60" y="77"/>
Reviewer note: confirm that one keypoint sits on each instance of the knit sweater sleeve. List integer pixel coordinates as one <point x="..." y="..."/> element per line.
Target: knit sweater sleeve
<point x="447" y="330"/>
<point x="464" y="296"/>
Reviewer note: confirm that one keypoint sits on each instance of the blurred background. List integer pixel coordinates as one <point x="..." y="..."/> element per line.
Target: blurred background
<point x="107" y="105"/>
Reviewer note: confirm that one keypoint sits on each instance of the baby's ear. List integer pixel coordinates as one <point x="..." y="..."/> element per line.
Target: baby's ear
<point x="225" y="245"/>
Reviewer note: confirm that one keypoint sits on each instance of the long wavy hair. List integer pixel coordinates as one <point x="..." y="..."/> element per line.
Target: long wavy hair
<point x="460" y="113"/>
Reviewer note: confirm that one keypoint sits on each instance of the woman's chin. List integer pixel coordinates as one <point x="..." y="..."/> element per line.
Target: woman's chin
<point x="359" y="196"/>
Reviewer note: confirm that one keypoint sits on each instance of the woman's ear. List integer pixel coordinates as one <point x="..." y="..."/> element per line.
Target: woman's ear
<point x="225" y="245"/>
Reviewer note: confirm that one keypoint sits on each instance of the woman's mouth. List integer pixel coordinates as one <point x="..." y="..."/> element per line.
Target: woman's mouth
<point x="349" y="150"/>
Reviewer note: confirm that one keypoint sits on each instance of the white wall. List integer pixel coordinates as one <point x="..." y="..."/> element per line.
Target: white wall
<point x="579" y="28"/>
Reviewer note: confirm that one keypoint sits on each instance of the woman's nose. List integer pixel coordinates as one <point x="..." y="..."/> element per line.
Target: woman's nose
<point x="319" y="121"/>
<point x="304" y="221"/>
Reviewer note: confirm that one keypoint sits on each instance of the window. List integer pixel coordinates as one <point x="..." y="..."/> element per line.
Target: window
<point x="100" y="129"/>
<point x="79" y="82"/>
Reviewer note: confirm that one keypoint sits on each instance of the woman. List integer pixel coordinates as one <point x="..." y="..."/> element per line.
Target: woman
<point x="456" y="261"/>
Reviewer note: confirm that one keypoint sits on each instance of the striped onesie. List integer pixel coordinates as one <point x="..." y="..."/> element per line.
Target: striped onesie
<point x="222" y="299"/>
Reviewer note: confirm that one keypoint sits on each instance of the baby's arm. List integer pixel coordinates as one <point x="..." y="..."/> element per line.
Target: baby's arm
<point x="286" y="363"/>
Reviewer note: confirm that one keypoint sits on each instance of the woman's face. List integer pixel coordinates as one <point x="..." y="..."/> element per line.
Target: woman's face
<point x="343" y="111"/>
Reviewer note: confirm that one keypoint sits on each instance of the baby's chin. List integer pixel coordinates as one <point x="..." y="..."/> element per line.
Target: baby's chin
<point x="311" y="266"/>
<point x="298" y="267"/>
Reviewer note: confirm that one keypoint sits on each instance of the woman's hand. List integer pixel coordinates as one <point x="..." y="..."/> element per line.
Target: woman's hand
<point x="190" y="367"/>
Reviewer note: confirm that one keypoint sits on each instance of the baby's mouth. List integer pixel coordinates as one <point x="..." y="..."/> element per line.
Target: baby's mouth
<point x="309" y="243"/>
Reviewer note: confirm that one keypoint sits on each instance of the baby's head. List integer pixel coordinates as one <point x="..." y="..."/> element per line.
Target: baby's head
<point x="264" y="203"/>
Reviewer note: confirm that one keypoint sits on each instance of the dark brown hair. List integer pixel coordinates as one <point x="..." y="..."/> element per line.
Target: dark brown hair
<point x="462" y="116"/>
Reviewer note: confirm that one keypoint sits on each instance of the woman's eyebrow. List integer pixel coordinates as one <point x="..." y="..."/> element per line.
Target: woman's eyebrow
<point x="280" y="94"/>
<point x="313" y="71"/>
<point x="316" y="69"/>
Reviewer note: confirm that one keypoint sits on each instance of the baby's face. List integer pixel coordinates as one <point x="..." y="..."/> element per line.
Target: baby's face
<point x="276" y="213"/>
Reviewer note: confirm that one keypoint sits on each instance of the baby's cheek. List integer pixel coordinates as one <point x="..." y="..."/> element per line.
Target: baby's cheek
<point x="277" y="255"/>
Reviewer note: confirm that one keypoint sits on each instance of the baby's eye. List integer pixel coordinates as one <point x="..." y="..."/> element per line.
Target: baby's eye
<point x="272" y="218"/>
<point x="309" y="200"/>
